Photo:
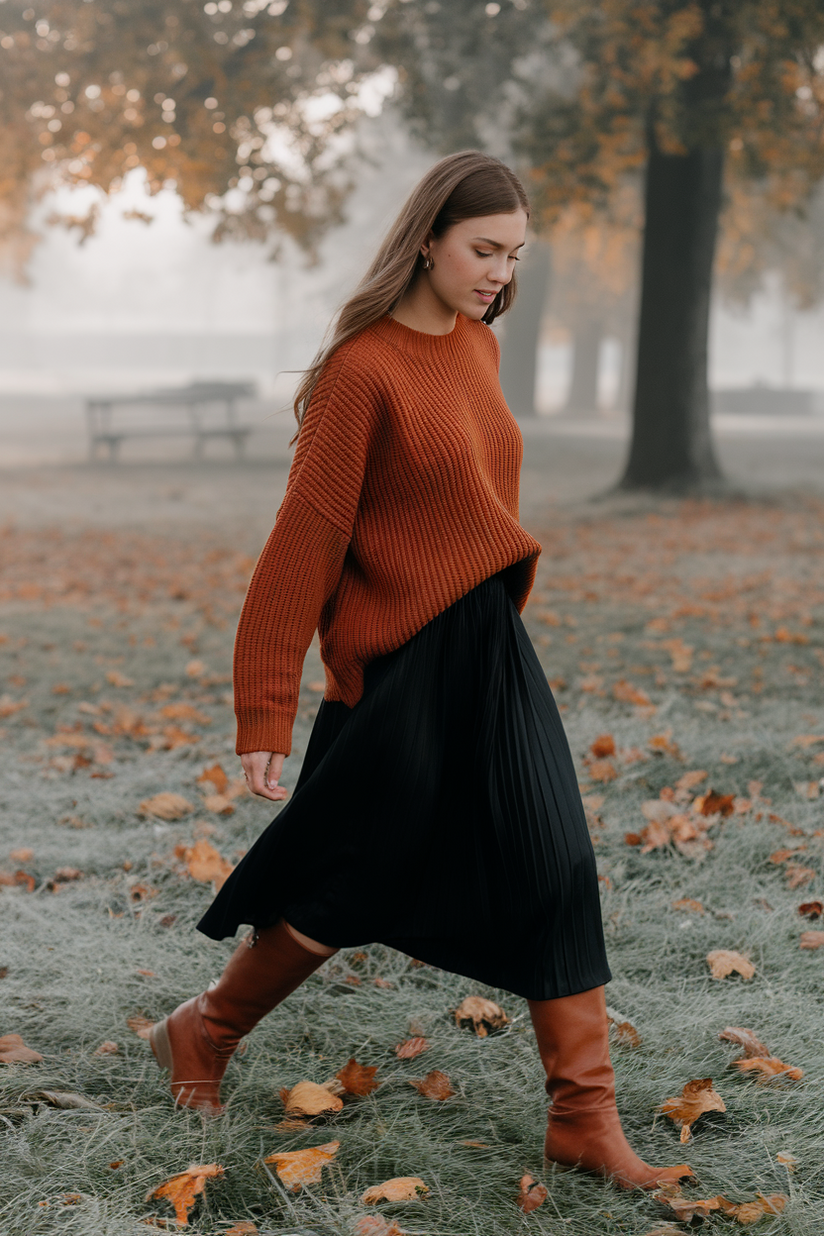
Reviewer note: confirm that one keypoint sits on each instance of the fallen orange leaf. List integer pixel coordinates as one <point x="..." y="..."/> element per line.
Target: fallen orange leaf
<point x="688" y="903"/>
<point x="14" y="1051"/>
<point x="358" y="1078"/>
<point x="624" y="1029"/>
<point x="603" y="745"/>
<point x="185" y="712"/>
<point x="166" y="806"/>
<point x="119" y="680"/>
<point x="602" y="770"/>
<point x="696" y="1098"/>
<point x="21" y="855"/>
<point x="626" y="693"/>
<point x="411" y="1048"/>
<point x="204" y="863"/>
<point x="308" y="1099"/>
<point x="811" y="939"/>
<point x="797" y="875"/>
<point x="715" y="804"/>
<point x="297" y="1168"/>
<point x="376" y="1225"/>
<point x="435" y="1085"/>
<point x="766" y="1067"/>
<point x="742" y="1037"/>
<point x="686" y="1209"/>
<point x="182" y="1189"/>
<point x="244" y="1228"/>
<point x="214" y="776"/>
<point x="811" y="909"/>
<point x="398" y="1189"/>
<point x="140" y="1025"/>
<point x="482" y="1015"/>
<point x="664" y="744"/>
<point x="107" y="1048"/>
<point x="531" y="1194"/>
<point x="723" y="961"/>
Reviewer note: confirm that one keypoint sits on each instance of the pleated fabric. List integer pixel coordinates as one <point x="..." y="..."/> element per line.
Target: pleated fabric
<point x="440" y="815"/>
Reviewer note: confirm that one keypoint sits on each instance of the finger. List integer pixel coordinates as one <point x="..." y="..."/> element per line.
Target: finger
<point x="256" y="770"/>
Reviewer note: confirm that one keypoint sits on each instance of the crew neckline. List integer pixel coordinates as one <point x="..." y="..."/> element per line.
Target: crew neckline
<point x="418" y="342"/>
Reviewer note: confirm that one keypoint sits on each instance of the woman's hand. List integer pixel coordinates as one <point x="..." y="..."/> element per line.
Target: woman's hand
<point x="262" y="771"/>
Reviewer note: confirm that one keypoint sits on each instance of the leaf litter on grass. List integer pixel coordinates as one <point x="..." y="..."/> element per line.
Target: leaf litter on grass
<point x="635" y="586"/>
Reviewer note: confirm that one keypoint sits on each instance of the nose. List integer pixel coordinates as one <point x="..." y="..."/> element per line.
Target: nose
<point x="499" y="270"/>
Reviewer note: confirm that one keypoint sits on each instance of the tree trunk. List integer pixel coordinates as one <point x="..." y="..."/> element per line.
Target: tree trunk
<point x="586" y="354"/>
<point x="519" y="349"/>
<point x="671" y="443"/>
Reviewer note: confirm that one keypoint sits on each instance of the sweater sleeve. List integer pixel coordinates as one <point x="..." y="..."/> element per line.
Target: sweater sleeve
<point x="301" y="564"/>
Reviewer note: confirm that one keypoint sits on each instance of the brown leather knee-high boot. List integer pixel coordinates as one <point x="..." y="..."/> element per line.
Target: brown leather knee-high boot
<point x="197" y="1040"/>
<point x="584" y="1128"/>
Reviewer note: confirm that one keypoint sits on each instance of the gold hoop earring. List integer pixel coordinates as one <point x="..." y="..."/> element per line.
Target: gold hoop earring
<point x="428" y="263"/>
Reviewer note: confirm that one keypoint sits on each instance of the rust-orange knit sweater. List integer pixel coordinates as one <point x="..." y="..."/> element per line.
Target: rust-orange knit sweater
<point x="402" y="496"/>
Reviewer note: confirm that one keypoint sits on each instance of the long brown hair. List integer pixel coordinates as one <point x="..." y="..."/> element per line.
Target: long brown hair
<point x="461" y="186"/>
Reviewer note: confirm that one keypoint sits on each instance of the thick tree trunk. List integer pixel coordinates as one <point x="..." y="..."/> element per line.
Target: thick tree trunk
<point x="671" y="443"/>
<point x="519" y="349"/>
<point x="586" y="354"/>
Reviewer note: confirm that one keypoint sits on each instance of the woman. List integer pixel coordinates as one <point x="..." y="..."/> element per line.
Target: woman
<point x="437" y="809"/>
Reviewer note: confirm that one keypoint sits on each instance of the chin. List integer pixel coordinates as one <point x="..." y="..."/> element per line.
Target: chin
<point x="475" y="311"/>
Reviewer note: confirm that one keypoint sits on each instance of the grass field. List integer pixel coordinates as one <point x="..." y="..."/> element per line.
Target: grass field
<point x="692" y="635"/>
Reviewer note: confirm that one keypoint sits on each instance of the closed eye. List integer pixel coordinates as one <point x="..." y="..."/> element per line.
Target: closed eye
<point x="512" y="257"/>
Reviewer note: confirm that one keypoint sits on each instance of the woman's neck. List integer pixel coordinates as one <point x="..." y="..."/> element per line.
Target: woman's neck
<point x="420" y="309"/>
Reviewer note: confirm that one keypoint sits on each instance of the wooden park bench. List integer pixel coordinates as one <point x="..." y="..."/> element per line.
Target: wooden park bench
<point x="202" y="410"/>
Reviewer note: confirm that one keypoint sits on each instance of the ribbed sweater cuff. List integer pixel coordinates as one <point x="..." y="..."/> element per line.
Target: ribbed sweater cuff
<point x="263" y="730"/>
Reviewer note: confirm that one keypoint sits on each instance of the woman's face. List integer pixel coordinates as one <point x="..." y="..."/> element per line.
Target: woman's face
<point x="474" y="259"/>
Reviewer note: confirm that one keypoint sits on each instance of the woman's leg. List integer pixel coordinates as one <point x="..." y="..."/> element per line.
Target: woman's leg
<point x="584" y="1128"/>
<point x="196" y="1042"/>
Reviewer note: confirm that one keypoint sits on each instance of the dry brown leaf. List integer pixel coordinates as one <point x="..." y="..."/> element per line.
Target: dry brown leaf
<point x="663" y="743"/>
<point x="714" y="804"/>
<point x="205" y="864"/>
<point x="624" y="1030"/>
<point x="185" y="712"/>
<point x="689" y="904"/>
<point x="182" y="1189"/>
<point x="723" y="961"/>
<point x="244" y="1228"/>
<point x="14" y="1051"/>
<point x="531" y="1194"/>
<point x="626" y="693"/>
<point x="766" y="1067"/>
<point x="308" y="1099"/>
<point x="119" y="680"/>
<point x="811" y="909"/>
<point x="798" y="875"/>
<point x="742" y="1037"/>
<point x="215" y="777"/>
<point x="166" y="806"/>
<point x="696" y="1098"/>
<point x="140" y="1025"/>
<point x="21" y="855"/>
<point x="20" y="879"/>
<point x="435" y="1085"/>
<point x="483" y="1015"/>
<point x="195" y="668"/>
<point x="398" y="1189"/>
<point x="376" y="1225"/>
<point x="219" y="804"/>
<point x="787" y="1160"/>
<point x="603" y="746"/>
<point x="297" y="1168"/>
<point x="358" y="1078"/>
<point x="107" y="1048"/>
<point x="411" y="1048"/>
<point x="811" y="940"/>
<point x="602" y="770"/>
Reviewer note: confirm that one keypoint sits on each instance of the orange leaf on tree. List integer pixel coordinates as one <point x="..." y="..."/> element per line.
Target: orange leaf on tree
<point x="297" y="1168"/>
<point x="696" y="1098"/>
<point x="436" y="1085"/>
<point x="723" y="962"/>
<point x="358" y="1078"/>
<point x="411" y="1048"/>
<point x="531" y="1194"/>
<point x="182" y="1189"/>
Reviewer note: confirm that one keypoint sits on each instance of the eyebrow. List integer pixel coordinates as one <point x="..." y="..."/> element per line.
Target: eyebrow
<point x="496" y="244"/>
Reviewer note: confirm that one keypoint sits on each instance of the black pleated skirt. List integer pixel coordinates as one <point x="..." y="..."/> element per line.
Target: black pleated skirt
<point x="440" y="816"/>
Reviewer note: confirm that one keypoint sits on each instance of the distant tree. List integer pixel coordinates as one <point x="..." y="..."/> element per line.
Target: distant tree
<point x="678" y="90"/>
<point x="211" y="98"/>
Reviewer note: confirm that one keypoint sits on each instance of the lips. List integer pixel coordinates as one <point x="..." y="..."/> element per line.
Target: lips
<point x="487" y="297"/>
